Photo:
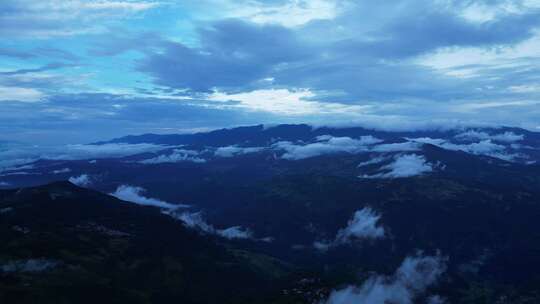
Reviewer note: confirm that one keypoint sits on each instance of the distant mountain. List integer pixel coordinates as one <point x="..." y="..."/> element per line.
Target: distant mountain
<point x="341" y="204"/>
<point x="260" y="134"/>
<point x="65" y="244"/>
<point x="506" y="143"/>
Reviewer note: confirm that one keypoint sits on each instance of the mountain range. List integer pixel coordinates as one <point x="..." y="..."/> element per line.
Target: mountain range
<point x="278" y="214"/>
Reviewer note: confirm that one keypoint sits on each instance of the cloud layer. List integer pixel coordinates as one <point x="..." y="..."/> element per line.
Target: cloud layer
<point x="177" y="155"/>
<point x="484" y="147"/>
<point x="363" y="225"/>
<point x="86" y="70"/>
<point x="13" y="155"/>
<point x="82" y="180"/>
<point x="195" y="220"/>
<point x="405" y="165"/>
<point x="135" y="195"/>
<point x="190" y="219"/>
<point x="231" y="151"/>
<point x="410" y="280"/>
<point x="326" y="144"/>
<point x="507" y="137"/>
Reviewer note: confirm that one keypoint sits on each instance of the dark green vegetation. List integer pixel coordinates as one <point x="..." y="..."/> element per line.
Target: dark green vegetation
<point x="481" y="212"/>
<point x="93" y="248"/>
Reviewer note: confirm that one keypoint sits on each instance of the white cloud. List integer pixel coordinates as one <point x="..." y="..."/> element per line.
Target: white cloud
<point x="283" y="102"/>
<point x="290" y="13"/>
<point x="501" y="137"/>
<point x="409" y="281"/>
<point x="178" y="155"/>
<point x="17" y="154"/>
<point x="325" y="137"/>
<point x="51" y="18"/>
<point x="82" y="6"/>
<point x="322" y="245"/>
<point x="12" y="163"/>
<point x="372" y="161"/>
<point x="103" y="151"/>
<point x="19" y="173"/>
<point x="115" y="5"/>
<point x="325" y="145"/>
<point x="398" y="123"/>
<point x="363" y="225"/>
<point x="4" y="184"/>
<point x="60" y="171"/>
<point x="481" y="12"/>
<point x="478" y="13"/>
<point x="406" y="165"/>
<point x="196" y="221"/>
<point x="135" y="195"/>
<point x="397" y="147"/>
<point x="20" y="94"/>
<point x="484" y="147"/>
<point x="231" y="151"/>
<point x="235" y="232"/>
<point x="189" y="219"/>
<point x="82" y="180"/>
<point x="428" y="140"/>
<point x="468" y="62"/>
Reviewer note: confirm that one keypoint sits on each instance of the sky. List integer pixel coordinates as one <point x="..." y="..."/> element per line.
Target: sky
<point x="79" y="71"/>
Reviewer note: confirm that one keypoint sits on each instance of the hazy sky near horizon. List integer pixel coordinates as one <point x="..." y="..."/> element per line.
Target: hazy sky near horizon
<point x="81" y="70"/>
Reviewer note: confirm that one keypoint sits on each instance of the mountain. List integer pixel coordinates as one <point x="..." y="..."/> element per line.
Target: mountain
<point x="340" y="206"/>
<point x="65" y="244"/>
<point x="262" y="135"/>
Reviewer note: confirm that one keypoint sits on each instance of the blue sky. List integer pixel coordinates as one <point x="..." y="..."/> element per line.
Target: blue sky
<point x="79" y="71"/>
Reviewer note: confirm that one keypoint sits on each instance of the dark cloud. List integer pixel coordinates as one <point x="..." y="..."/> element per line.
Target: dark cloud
<point x="82" y="118"/>
<point x="233" y="54"/>
<point x="362" y="55"/>
<point x="368" y="56"/>
<point x="399" y="29"/>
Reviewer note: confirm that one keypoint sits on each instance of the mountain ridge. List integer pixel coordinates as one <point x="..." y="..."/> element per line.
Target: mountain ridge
<point x="303" y="129"/>
<point x="75" y="233"/>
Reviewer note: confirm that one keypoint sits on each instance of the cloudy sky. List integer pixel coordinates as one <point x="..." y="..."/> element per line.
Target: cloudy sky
<point x="74" y="71"/>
